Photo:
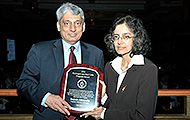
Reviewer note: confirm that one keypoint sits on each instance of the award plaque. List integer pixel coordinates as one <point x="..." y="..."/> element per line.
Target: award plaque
<point x="81" y="88"/>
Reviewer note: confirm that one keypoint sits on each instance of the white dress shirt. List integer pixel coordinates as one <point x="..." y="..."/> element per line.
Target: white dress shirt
<point x="66" y="50"/>
<point x="116" y="64"/>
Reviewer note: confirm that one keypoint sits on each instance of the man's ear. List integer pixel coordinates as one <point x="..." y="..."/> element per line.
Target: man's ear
<point x="58" y="26"/>
<point x="83" y="27"/>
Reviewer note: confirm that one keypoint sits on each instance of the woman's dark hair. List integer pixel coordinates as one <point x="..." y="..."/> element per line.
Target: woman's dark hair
<point x="141" y="42"/>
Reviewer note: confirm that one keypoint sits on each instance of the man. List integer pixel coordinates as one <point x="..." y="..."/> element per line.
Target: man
<point x="41" y="76"/>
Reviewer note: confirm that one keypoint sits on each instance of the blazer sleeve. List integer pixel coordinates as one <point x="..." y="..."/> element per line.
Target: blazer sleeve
<point x="146" y="100"/>
<point x="28" y="83"/>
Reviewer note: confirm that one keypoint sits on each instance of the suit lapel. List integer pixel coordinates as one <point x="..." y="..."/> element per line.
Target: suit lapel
<point x="85" y="53"/>
<point x="58" y="55"/>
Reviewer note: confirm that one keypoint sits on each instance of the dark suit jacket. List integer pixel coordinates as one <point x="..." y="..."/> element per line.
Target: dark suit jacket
<point x="137" y="96"/>
<point x="43" y="70"/>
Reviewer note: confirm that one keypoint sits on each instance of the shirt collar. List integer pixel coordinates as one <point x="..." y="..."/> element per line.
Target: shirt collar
<point x="136" y="60"/>
<point x="67" y="46"/>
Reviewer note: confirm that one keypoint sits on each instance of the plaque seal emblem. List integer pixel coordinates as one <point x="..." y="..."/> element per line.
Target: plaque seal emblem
<point x="82" y="83"/>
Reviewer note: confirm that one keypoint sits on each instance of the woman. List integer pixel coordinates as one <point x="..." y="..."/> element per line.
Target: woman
<point x="131" y="79"/>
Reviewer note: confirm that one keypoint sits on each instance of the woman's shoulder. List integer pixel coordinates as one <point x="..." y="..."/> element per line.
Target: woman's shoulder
<point x="149" y="63"/>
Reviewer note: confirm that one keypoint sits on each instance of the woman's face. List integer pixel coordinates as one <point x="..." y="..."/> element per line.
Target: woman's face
<point x="123" y="39"/>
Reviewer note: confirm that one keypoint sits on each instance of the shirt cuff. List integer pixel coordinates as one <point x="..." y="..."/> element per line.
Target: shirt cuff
<point x="103" y="100"/>
<point x="102" y="114"/>
<point x="44" y="99"/>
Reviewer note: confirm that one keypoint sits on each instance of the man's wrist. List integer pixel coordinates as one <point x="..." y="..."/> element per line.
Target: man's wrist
<point x="43" y="103"/>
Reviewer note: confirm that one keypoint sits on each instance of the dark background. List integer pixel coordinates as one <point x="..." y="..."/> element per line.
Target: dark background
<point x="166" y="21"/>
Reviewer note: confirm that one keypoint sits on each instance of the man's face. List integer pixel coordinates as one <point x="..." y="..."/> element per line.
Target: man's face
<point x="71" y="28"/>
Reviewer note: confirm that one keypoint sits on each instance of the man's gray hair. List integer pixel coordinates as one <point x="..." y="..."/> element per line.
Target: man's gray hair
<point x="66" y="7"/>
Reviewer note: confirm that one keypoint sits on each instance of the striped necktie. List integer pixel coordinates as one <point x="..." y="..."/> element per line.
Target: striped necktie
<point x="72" y="58"/>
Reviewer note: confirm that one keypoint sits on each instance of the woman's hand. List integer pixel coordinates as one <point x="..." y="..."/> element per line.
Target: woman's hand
<point x="103" y="88"/>
<point x="96" y="113"/>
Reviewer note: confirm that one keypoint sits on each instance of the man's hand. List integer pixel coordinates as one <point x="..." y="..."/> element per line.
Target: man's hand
<point x="56" y="103"/>
<point x="96" y="113"/>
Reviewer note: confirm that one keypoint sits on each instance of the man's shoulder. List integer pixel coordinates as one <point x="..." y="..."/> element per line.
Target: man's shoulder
<point x="90" y="47"/>
<point x="46" y="43"/>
